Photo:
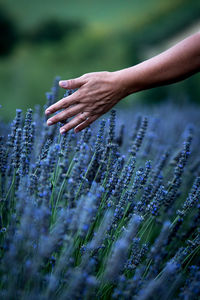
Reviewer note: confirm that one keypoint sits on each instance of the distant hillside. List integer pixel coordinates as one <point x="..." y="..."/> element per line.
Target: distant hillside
<point x="108" y="14"/>
<point x="70" y="38"/>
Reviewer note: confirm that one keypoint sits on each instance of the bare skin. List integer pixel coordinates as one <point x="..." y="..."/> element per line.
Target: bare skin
<point x="98" y="92"/>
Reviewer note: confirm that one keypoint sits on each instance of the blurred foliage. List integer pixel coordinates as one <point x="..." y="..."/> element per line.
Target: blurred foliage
<point x="52" y="31"/>
<point x="70" y="39"/>
<point x="9" y="33"/>
<point x="169" y="21"/>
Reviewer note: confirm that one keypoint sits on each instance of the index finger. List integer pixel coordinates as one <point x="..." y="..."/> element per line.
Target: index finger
<point x="63" y="103"/>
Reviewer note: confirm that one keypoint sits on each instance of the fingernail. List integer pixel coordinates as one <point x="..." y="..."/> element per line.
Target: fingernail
<point x="62" y="130"/>
<point x="47" y="112"/>
<point x="63" y="83"/>
<point x="49" y="122"/>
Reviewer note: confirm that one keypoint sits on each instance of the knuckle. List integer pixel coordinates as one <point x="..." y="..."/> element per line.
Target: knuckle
<point x="70" y="82"/>
<point x="55" y="108"/>
<point x="85" y="76"/>
<point x="54" y="119"/>
<point x="92" y="105"/>
<point x="58" y="117"/>
<point x="75" y="97"/>
<point x="82" y="118"/>
<point x="61" y="103"/>
<point x="97" y="110"/>
<point x="92" y="113"/>
<point x="68" y="114"/>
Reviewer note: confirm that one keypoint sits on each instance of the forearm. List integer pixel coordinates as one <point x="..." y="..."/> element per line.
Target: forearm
<point x="175" y="64"/>
<point x="98" y="92"/>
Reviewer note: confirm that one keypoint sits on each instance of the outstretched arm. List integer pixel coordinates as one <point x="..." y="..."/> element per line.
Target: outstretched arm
<point x="172" y="65"/>
<point x="98" y="92"/>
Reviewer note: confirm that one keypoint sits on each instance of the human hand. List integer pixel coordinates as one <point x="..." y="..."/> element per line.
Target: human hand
<point x="97" y="93"/>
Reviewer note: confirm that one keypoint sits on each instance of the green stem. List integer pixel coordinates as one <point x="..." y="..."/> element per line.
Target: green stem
<point x="178" y="217"/>
<point x="12" y="183"/>
<point x="124" y="215"/>
<point x="1" y="201"/>
<point x="97" y="173"/>
<point x="100" y="210"/>
<point x="145" y="226"/>
<point x="147" y="268"/>
<point x="159" y="274"/>
<point x="1" y="195"/>
<point x="175" y="220"/>
<point x="61" y="189"/>
<point x="88" y="168"/>
<point x="108" y="165"/>
<point x="191" y="254"/>
<point x="171" y="185"/>
<point x="55" y="178"/>
<point x="105" y="290"/>
<point x="151" y="226"/>
<point x="149" y="223"/>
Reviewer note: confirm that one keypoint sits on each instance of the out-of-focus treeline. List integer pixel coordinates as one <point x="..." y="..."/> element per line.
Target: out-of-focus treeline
<point x="42" y="39"/>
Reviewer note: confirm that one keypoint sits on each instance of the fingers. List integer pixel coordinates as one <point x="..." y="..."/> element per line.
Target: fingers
<point x="63" y="103"/>
<point x="67" y="113"/>
<point x="72" y="83"/>
<point x="86" y="123"/>
<point x="75" y="122"/>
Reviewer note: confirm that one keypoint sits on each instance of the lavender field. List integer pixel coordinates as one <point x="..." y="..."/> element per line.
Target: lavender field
<point x="112" y="212"/>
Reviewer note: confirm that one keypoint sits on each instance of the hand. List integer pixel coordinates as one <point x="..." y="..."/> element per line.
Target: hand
<point x="97" y="93"/>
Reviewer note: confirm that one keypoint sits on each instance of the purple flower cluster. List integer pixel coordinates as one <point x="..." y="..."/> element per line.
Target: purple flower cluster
<point x="112" y="212"/>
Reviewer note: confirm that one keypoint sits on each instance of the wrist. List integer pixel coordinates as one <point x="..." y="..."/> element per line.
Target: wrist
<point x="128" y="80"/>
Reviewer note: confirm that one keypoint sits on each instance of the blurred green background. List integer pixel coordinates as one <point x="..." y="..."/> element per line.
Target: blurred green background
<point x="44" y="38"/>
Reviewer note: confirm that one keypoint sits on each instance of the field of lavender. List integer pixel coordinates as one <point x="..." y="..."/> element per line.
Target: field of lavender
<point x="112" y="212"/>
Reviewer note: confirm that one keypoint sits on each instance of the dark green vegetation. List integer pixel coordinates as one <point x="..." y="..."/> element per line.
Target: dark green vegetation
<point x="110" y="213"/>
<point x="70" y="38"/>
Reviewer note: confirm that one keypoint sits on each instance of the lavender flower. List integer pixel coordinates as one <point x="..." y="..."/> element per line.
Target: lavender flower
<point x="81" y="219"/>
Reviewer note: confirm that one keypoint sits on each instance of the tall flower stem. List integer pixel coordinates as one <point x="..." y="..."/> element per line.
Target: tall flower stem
<point x="60" y="193"/>
<point x="85" y="176"/>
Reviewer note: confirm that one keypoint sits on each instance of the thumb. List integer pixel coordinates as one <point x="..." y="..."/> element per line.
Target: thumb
<point x="72" y="83"/>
